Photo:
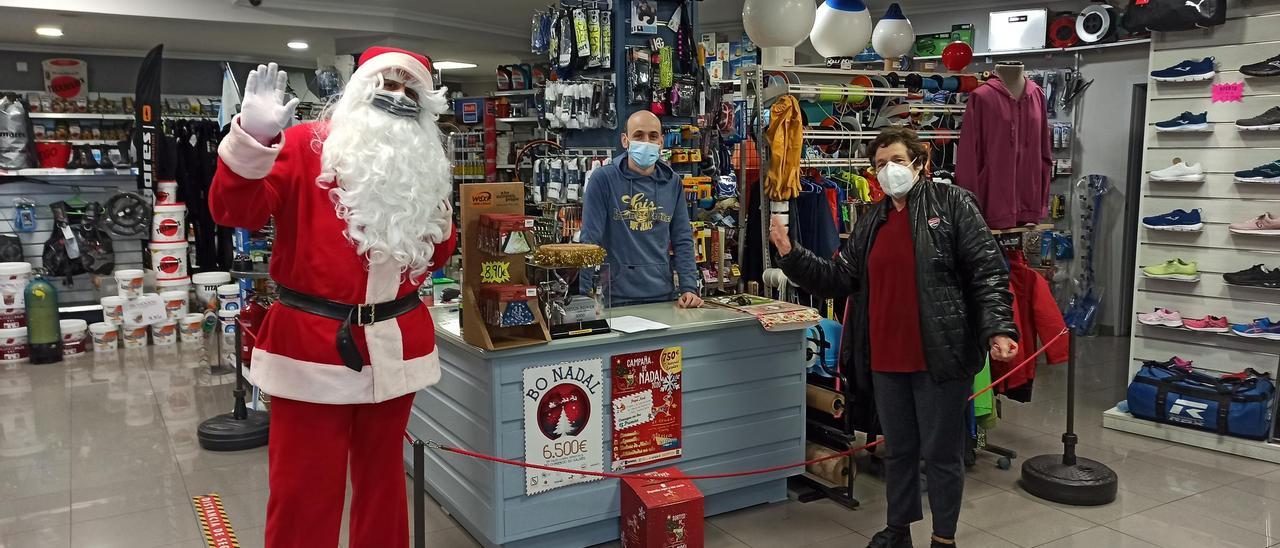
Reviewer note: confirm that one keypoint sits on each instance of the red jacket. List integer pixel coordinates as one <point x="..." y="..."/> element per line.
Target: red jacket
<point x="296" y="354"/>
<point x="1038" y="319"/>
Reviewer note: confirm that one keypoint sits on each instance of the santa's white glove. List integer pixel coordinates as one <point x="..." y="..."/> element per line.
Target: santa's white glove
<point x="264" y="112"/>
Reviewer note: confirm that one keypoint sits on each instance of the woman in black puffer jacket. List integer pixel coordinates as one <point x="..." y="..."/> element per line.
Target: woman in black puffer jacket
<point x="928" y="296"/>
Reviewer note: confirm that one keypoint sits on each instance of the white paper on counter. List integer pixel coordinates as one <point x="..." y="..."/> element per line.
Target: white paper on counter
<point x="635" y="324"/>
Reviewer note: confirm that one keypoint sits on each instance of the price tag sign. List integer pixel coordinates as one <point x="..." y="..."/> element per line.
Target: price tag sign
<point x="144" y="310"/>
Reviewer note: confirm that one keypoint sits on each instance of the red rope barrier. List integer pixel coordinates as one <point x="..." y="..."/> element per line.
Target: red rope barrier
<point x="435" y="445"/>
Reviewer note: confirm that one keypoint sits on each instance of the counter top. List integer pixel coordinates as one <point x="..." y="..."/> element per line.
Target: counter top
<point x="682" y="321"/>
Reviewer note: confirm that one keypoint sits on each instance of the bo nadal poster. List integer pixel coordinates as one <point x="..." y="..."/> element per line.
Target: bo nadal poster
<point x="646" y="406"/>
<point x="563" y="410"/>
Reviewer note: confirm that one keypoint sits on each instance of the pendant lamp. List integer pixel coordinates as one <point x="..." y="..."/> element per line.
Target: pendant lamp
<point x="893" y="36"/>
<point x="778" y="26"/>
<point x="842" y="28"/>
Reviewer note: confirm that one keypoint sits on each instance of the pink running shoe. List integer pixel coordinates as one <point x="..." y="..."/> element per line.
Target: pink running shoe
<point x="1161" y="316"/>
<point x="1264" y="225"/>
<point x="1208" y="324"/>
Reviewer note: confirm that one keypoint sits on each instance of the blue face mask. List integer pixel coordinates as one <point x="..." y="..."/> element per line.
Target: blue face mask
<point x="644" y="154"/>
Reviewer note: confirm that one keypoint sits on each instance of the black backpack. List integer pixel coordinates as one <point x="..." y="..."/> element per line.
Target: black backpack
<point x="1174" y="15"/>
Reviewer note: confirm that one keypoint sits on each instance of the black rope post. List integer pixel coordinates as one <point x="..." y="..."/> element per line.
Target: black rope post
<point x="419" y="494"/>
<point x="242" y="428"/>
<point x="1069" y="438"/>
<point x="240" y="411"/>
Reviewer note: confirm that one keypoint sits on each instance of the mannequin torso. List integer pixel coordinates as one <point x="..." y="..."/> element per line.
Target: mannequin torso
<point x="1013" y="77"/>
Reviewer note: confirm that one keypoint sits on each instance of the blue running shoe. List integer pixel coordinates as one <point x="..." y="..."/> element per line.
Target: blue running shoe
<point x="1176" y="220"/>
<point x="1265" y="173"/>
<point x="1186" y="122"/>
<point x="1261" y="328"/>
<point x="1186" y="71"/>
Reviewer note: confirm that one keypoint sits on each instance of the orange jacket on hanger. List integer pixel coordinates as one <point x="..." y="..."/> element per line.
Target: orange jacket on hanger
<point x="786" y="141"/>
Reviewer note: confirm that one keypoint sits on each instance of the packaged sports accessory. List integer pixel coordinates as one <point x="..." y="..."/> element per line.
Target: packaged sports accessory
<point x="1179" y="172"/>
<point x="1161" y="316"/>
<point x="1207" y="324"/>
<point x="1267" y="121"/>
<point x="1261" y="328"/>
<point x="1262" y="225"/>
<point x="1263" y="69"/>
<point x="1186" y="71"/>
<point x="1237" y="405"/>
<point x="1185" y="122"/>
<point x="593" y="32"/>
<point x="1174" y="15"/>
<point x="1173" y="269"/>
<point x="1254" y="276"/>
<point x="1265" y="173"/>
<point x="17" y="144"/>
<point x="1176" y="220"/>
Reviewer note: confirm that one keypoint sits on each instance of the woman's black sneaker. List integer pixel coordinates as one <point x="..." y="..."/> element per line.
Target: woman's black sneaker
<point x="936" y="544"/>
<point x="1256" y="276"/>
<point x="890" y="539"/>
<point x="1263" y="69"/>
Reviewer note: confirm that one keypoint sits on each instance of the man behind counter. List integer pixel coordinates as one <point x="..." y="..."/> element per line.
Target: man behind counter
<point x="635" y="209"/>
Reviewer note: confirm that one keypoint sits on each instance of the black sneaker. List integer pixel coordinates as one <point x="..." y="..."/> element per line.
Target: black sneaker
<point x="890" y="539"/>
<point x="1266" y="173"/>
<point x="936" y="544"/>
<point x="1267" y="121"/>
<point x="1263" y="69"/>
<point x="1255" y="276"/>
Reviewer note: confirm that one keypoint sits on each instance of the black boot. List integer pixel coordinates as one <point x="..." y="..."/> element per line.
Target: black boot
<point x="933" y="543"/>
<point x="891" y="537"/>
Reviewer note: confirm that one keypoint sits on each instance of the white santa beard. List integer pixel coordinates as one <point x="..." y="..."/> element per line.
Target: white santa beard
<point x="393" y="182"/>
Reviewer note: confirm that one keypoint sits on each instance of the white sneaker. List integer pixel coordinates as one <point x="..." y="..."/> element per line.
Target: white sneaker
<point x="1179" y="172"/>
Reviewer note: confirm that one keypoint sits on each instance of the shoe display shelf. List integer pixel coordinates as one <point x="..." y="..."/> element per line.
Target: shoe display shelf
<point x="1230" y="334"/>
<point x="1262" y="450"/>
<point x="1165" y="279"/>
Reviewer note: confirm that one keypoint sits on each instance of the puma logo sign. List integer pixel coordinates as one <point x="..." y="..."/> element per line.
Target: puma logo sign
<point x="1199" y="6"/>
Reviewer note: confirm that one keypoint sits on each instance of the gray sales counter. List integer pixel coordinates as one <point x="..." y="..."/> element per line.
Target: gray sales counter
<point x="743" y="408"/>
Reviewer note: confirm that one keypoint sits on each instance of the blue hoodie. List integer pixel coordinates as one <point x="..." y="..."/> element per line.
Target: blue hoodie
<point x="637" y="219"/>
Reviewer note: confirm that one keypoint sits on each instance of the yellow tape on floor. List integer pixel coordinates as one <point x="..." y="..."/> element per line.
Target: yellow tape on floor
<point x="214" y="522"/>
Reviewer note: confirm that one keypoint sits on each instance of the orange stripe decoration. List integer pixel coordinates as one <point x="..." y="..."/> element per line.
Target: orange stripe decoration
<point x="214" y="522"/>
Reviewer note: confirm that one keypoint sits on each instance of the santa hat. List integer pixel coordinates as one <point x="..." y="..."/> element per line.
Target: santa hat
<point x="378" y="58"/>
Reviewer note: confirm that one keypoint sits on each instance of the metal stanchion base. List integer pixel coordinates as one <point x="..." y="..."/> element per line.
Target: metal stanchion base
<point x="1086" y="483"/>
<point x="226" y="433"/>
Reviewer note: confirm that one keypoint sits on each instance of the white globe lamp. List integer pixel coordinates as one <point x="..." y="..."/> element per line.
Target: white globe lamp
<point x="893" y="36"/>
<point x="778" y="26"/>
<point x="842" y="28"/>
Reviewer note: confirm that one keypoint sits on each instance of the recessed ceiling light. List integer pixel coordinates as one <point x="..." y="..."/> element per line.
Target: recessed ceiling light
<point x="447" y="65"/>
<point x="52" y="32"/>
<point x="297" y="44"/>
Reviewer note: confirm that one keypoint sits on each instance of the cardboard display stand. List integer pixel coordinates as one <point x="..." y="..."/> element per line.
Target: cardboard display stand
<point x="478" y="199"/>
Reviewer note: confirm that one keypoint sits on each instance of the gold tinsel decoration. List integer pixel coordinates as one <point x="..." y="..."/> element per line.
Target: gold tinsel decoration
<point x="569" y="255"/>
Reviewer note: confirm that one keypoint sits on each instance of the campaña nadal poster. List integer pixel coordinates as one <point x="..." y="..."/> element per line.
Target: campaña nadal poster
<point x="563" y="414"/>
<point x="646" y="407"/>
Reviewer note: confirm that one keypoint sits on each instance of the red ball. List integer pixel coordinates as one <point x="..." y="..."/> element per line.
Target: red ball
<point x="957" y="56"/>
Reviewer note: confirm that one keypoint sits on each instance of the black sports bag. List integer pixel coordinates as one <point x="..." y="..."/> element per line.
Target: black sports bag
<point x="1173" y="15"/>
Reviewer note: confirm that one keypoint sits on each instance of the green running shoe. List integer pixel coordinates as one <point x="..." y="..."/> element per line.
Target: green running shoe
<point x="1173" y="269"/>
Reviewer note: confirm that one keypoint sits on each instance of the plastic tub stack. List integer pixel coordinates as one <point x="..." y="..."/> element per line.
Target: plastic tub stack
<point x="13" y="313"/>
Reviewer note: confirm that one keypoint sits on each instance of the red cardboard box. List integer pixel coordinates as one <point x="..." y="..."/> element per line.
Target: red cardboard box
<point x="661" y="513"/>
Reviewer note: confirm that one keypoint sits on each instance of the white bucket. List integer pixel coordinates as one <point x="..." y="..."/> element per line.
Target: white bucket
<point x="113" y="309"/>
<point x="106" y="336"/>
<point x="13" y="316"/>
<point x="175" y="304"/>
<point x="166" y="192"/>
<point x="169" y="224"/>
<point x="135" y="336"/>
<point x="191" y="328"/>
<point x="176" y="284"/>
<point x="75" y="337"/>
<point x="129" y="282"/>
<point x="227" y="348"/>
<point x="229" y="299"/>
<point x="207" y="285"/>
<point x="13" y="345"/>
<point x="169" y="260"/>
<point x="13" y="283"/>
<point x="164" y="333"/>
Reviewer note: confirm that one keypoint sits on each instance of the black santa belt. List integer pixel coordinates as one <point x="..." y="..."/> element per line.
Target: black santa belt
<point x="348" y="314"/>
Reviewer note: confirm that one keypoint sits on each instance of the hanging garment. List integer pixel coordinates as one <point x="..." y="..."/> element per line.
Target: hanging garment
<point x="786" y="139"/>
<point x="1038" y="319"/>
<point x="1006" y="154"/>
<point x="985" y="403"/>
<point x="812" y="225"/>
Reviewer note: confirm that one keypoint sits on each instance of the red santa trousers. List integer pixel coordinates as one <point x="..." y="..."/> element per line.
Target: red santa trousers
<point x="311" y="446"/>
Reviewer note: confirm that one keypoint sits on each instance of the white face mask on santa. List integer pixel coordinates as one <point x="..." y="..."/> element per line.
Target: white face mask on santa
<point x="388" y="173"/>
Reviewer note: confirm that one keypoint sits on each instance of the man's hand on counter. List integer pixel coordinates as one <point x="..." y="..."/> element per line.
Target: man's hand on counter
<point x="689" y="300"/>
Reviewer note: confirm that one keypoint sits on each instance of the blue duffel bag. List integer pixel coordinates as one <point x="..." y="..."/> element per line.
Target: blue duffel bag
<point x="1236" y="405"/>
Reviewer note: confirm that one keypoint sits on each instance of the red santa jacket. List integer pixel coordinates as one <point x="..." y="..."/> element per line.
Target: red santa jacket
<point x="296" y="355"/>
<point x="1036" y="314"/>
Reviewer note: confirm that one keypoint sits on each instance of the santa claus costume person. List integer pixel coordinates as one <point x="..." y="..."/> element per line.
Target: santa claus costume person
<point x="360" y="202"/>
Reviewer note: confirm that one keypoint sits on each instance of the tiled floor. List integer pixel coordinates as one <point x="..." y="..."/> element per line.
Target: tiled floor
<point x="100" y="451"/>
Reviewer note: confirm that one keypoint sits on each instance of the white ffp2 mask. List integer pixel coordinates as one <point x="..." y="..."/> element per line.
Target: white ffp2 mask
<point x="896" y="179"/>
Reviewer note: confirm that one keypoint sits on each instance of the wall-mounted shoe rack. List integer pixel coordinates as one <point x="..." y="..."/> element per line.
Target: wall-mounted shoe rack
<point x="1251" y="34"/>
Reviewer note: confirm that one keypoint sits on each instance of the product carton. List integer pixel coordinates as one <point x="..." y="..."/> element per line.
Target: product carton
<point x="722" y="51"/>
<point x="661" y="512"/>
